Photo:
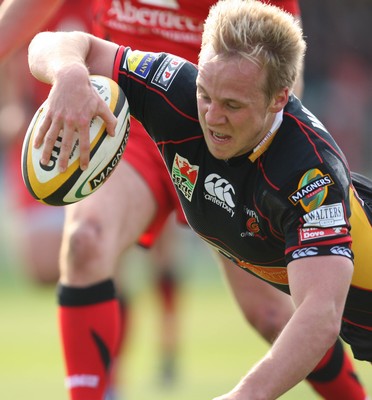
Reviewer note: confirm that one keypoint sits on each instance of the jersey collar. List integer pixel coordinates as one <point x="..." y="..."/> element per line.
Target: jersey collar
<point x="266" y="141"/>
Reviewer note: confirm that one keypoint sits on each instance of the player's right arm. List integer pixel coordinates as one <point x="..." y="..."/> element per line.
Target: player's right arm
<point x="65" y="60"/>
<point x="319" y="300"/>
<point x="20" y="20"/>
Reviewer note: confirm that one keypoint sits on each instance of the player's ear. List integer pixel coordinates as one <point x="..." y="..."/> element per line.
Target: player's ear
<point x="279" y="101"/>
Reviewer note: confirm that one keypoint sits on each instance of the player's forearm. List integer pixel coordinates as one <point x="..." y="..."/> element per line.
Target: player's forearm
<point x="54" y="53"/>
<point x="292" y="357"/>
<point x="20" y="20"/>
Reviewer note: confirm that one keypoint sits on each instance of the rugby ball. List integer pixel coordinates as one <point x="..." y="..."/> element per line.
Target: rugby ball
<point x="46" y="183"/>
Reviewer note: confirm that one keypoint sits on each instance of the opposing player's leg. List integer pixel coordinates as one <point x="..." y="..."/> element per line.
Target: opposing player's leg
<point x="268" y="310"/>
<point x="37" y="227"/>
<point x="131" y="207"/>
<point x="97" y="230"/>
<point x="167" y="283"/>
<point x="40" y="241"/>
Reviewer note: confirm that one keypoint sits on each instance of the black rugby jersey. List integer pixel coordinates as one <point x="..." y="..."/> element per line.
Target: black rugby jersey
<point x="291" y="197"/>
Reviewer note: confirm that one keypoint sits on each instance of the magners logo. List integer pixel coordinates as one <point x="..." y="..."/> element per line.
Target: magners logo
<point x="312" y="190"/>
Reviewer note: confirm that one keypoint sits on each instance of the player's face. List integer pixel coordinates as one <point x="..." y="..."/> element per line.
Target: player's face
<point x="233" y="110"/>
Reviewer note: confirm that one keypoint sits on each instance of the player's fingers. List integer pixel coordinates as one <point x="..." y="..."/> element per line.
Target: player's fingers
<point x="65" y="146"/>
<point x="44" y="127"/>
<point x="84" y="146"/>
<point x="50" y="142"/>
<point x="110" y="120"/>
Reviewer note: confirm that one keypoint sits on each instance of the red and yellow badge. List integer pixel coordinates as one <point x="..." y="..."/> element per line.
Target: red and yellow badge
<point x="312" y="189"/>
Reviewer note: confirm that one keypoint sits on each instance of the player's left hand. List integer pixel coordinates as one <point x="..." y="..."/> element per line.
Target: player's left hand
<point x="72" y="103"/>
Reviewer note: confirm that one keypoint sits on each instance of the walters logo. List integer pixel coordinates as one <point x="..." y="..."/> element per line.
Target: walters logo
<point x="312" y="190"/>
<point x="184" y="176"/>
<point x="324" y="216"/>
<point x="220" y="192"/>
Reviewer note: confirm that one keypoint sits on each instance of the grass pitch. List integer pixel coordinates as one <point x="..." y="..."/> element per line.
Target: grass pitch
<point x="216" y="346"/>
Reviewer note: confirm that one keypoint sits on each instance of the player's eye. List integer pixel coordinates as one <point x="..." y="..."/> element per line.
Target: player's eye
<point x="233" y="106"/>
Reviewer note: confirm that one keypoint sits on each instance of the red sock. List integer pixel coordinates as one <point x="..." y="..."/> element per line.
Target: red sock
<point x="89" y="327"/>
<point x="334" y="378"/>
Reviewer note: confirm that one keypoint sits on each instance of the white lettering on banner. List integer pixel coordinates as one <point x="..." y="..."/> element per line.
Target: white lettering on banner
<point x="162" y="3"/>
<point x="82" y="380"/>
<point x="127" y="13"/>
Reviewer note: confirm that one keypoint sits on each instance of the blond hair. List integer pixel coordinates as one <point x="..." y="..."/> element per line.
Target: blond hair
<point x="263" y="34"/>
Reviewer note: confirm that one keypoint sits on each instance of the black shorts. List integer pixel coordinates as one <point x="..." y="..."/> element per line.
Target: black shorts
<point x="359" y="339"/>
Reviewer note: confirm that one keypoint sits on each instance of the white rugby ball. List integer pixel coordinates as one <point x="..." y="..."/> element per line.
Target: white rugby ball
<point x="46" y="183"/>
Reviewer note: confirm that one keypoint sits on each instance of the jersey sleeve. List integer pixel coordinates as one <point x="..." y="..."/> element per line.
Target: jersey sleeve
<point x="318" y="219"/>
<point x="158" y="86"/>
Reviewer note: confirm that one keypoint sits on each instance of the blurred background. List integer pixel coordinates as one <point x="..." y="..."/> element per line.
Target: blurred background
<point x="338" y="73"/>
<point x="216" y="347"/>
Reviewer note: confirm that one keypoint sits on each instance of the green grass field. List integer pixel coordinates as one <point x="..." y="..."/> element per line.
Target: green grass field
<point x="216" y="348"/>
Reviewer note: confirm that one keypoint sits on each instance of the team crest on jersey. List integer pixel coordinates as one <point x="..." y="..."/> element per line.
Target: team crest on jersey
<point x="167" y="71"/>
<point x="312" y="190"/>
<point x="184" y="176"/>
<point x="140" y="62"/>
<point x="252" y="224"/>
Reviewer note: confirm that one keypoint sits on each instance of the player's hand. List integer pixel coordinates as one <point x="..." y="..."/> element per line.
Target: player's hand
<point x="72" y="104"/>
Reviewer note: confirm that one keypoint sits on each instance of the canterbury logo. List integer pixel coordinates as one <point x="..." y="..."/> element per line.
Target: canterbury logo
<point x="220" y="188"/>
<point x="220" y="192"/>
<point x="305" y="252"/>
<point x="341" y="251"/>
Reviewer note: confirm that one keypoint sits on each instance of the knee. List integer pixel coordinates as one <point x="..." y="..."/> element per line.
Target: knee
<point x="43" y="274"/>
<point x="82" y="243"/>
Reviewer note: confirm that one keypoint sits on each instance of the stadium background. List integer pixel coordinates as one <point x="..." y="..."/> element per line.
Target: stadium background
<point x="217" y="347"/>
